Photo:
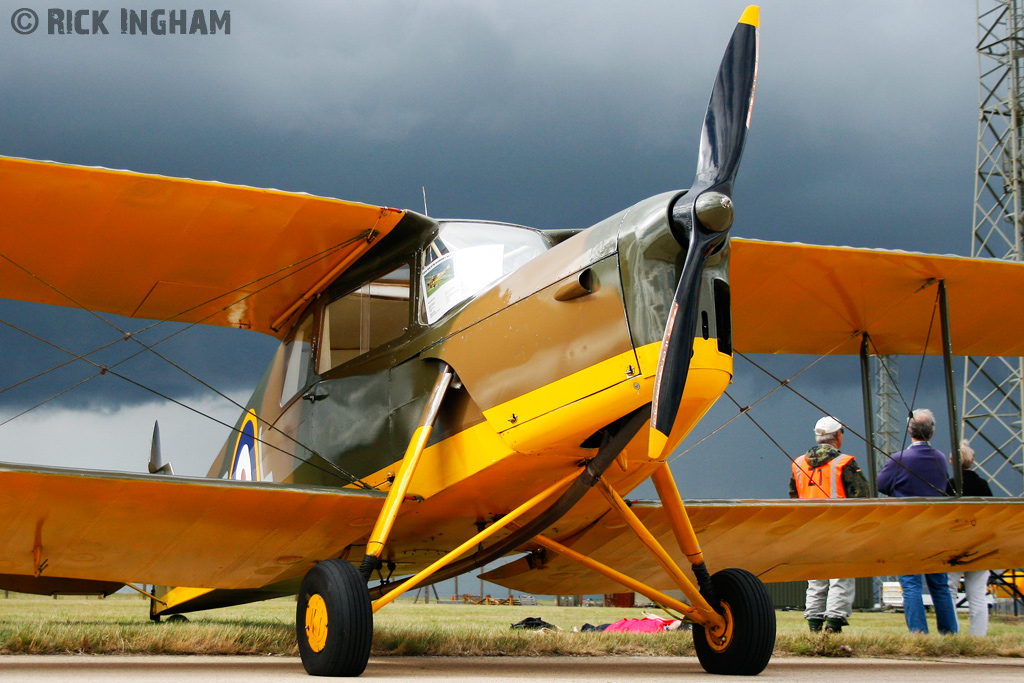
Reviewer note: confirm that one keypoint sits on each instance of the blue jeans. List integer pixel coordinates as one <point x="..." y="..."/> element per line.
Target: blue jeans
<point x="942" y="601"/>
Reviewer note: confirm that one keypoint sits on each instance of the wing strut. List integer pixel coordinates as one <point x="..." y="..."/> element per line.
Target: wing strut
<point x="393" y="503"/>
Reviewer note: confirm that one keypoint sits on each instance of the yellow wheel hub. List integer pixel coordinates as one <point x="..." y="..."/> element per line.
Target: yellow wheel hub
<point x="316" y="622"/>
<point x="719" y="640"/>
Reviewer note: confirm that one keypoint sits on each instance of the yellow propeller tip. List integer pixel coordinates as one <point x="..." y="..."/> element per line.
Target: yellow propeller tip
<point x="751" y="15"/>
<point x="656" y="445"/>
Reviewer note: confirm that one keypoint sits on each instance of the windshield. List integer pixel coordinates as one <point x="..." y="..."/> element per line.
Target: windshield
<point x="467" y="257"/>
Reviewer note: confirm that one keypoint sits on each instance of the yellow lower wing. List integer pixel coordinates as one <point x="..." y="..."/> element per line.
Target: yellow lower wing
<point x="795" y="540"/>
<point x="175" y="531"/>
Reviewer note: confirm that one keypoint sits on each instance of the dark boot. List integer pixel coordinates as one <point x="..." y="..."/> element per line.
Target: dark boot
<point x="833" y="626"/>
<point x="815" y="624"/>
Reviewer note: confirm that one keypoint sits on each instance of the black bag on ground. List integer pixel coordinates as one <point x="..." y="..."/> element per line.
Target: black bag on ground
<point x="534" y="624"/>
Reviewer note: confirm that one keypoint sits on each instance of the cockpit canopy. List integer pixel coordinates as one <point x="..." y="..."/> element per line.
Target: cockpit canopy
<point x="467" y="257"/>
<point x="463" y="259"/>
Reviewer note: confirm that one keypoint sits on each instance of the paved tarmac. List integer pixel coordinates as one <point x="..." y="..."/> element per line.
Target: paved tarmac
<point x="89" y="668"/>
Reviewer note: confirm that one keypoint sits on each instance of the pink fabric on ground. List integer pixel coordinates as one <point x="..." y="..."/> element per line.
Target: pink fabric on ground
<point x="639" y="625"/>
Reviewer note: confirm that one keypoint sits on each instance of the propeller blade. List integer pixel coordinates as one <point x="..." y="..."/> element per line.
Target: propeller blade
<point x="701" y="217"/>
<point x="728" y="115"/>
<point x="674" y="359"/>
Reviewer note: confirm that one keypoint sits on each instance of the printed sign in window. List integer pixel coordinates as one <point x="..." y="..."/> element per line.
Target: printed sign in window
<point x="455" y="277"/>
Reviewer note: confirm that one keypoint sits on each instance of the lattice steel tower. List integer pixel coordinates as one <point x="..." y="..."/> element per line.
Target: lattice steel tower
<point x="890" y="414"/>
<point x="992" y="386"/>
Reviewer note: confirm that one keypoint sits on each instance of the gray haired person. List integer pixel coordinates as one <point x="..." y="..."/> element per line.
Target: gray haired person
<point x="975" y="582"/>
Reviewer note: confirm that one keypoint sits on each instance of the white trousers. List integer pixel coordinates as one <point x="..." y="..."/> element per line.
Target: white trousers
<point x="975" y="585"/>
<point x="830" y="599"/>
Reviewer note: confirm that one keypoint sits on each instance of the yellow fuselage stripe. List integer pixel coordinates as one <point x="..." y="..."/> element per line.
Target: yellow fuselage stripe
<point x="590" y="380"/>
<point x="567" y="414"/>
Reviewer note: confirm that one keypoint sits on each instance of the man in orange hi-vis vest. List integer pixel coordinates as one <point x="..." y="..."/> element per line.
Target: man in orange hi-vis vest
<point x="825" y="472"/>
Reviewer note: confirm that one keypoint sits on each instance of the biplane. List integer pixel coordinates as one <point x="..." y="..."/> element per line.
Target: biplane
<point x="449" y="392"/>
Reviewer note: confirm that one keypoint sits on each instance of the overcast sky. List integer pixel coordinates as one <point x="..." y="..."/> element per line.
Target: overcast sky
<point x="550" y="114"/>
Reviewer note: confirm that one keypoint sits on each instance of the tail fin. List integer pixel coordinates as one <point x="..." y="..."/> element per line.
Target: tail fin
<point x="156" y="461"/>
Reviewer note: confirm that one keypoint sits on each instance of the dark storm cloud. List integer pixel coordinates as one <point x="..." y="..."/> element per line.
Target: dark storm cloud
<point x="550" y="114"/>
<point x="546" y="114"/>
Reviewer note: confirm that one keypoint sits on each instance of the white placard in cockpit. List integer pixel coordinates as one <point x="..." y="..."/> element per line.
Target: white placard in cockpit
<point x="455" y="277"/>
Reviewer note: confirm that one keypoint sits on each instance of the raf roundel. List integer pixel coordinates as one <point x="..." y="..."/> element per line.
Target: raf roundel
<point x="245" y="462"/>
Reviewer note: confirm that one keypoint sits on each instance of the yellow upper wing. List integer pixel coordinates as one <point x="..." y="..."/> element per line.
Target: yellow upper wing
<point x="795" y="540"/>
<point x="175" y="531"/>
<point x="798" y="298"/>
<point x="170" y="249"/>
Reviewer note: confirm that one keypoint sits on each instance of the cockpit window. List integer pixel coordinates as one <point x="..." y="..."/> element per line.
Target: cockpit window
<point x="467" y="257"/>
<point x="296" y="353"/>
<point x="371" y="316"/>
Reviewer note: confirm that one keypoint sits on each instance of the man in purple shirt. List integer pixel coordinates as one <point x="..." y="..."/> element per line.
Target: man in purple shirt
<point x="920" y="471"/>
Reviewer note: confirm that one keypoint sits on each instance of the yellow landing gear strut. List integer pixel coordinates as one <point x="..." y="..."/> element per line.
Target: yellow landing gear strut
<point x="393" y="503"/>
<point x="334" y="616"/>
<point x="425" y="574"/>
<point x="733" y="615"/>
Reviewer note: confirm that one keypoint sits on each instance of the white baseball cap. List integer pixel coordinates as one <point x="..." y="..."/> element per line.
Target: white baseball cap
<point x="827" y="425"/>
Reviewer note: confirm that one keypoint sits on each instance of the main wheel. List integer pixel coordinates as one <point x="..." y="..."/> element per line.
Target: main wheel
<point x="749" y="638"/>
<point x="334" y="620"/>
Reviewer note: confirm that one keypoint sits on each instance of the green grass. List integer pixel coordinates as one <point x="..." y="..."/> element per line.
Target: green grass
<point x="120" y="625"/>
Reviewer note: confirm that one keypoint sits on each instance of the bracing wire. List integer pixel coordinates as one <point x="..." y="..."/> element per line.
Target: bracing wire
<point x="74" y="356"/>
<point x="52" y="398"/>
<point x="294" y="267"/>
<point x="920" y="369"/>
<point x="888" y="374"/>
<point x="781" y="384"/>
<point x="103" y="369"/>
<point x="860" y="436"/>
<point x="308" y="262"/>
<point x="764" y="431"/>
<point x="787" y="383"/>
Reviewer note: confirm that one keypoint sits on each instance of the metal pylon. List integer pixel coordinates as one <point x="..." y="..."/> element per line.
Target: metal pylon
<point x="993" y="398"/>
<point x="890" y="424"/>
<point x="890" y="416"/>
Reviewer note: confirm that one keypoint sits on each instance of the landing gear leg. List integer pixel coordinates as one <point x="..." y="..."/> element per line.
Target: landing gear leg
<point x="334" y="620"/>
<point x="746" y="645"/>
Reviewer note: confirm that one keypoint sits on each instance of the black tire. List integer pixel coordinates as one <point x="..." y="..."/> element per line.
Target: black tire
<point x="335" y="596"/>
<point x="177" y="619"/>
<point x="752" y="615"/>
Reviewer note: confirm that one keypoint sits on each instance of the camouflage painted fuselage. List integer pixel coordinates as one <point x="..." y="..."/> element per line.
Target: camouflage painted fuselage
<point x="545" y="358"/>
